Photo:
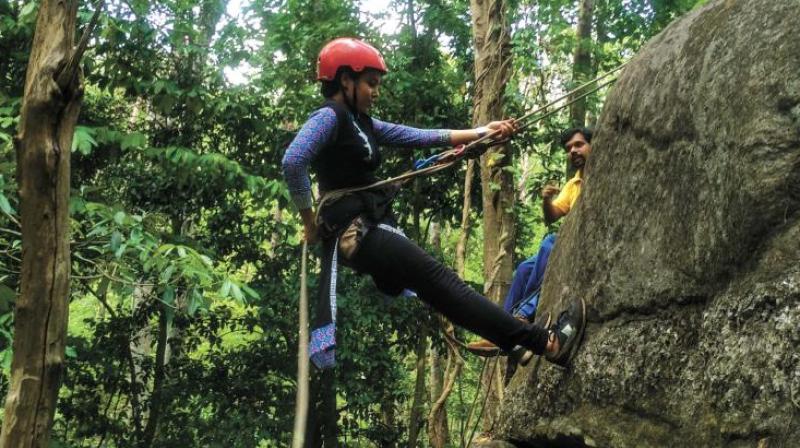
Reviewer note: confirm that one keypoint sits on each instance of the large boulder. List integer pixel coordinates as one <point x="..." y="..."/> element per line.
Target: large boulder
<point x="686" y="247"/>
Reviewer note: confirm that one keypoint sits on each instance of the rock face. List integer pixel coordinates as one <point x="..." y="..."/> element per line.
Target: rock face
<point x="686" y="247"/>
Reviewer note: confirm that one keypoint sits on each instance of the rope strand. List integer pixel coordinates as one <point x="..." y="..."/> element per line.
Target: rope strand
<point x="301" y="404"/>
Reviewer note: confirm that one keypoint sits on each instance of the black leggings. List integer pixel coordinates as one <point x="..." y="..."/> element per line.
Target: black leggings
<point x="395" y="262"/>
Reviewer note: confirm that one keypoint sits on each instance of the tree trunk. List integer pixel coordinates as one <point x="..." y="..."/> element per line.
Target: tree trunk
<point x="158" y="379"/>
<point x="418" y="402"/>
<point x="466" y="223"/>
<point x="49" y="113"/>
<point x="443" y="376"/>
<point x="438" y="431"/>
<point x="492" y="72"/>
<point x="388" y="412"/>
<point x="139" y="350"/>
<point x="601" y="31"/>
<point x="582" y="59"/>
<point x="275" y="238"/>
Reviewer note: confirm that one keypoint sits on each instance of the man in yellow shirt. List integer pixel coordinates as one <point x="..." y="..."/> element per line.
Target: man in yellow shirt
<point x="577" y="143"/>
<point x="523" y="296"/>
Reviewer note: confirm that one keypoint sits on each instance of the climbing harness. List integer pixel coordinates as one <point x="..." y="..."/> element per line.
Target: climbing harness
<point x="476" y="148"/>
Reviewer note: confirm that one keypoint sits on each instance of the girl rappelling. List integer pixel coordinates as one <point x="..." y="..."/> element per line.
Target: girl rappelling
<point x="355" y="225"/>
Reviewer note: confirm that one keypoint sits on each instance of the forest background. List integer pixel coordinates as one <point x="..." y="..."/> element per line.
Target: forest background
<point x="185" y="248"/>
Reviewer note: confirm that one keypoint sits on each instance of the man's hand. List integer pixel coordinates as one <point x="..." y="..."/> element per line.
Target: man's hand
<point x="551" y="212"/>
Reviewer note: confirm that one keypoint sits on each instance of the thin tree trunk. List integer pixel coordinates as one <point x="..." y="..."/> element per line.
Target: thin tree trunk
<point x="582" y="59"/>
<point x="581" y="65"/>
<point x="526" y="165"/>
<point x="50" y="109"/>
<point x="466" y="223"/>
<point x="139" y="349"/>
<point x="275" y="238"/>
<point x="158" y="380"/>
<point x="601" y="30"/>
<point x="418" y="402"/>
<point x="436" y="373"/>
<point x="134" y="397"/>
<point x="443" y="378"/>
<point x="492" y="71"/>
<point x="438" y="431"/>
<point x="437" y="424"/>
<point x="388" y="413"/>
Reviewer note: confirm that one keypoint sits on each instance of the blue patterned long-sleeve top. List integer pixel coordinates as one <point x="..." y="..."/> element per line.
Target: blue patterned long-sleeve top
<point x="318" y="131"/>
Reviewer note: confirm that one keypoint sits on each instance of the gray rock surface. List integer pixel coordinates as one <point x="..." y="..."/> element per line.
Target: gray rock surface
<point x="686" y="247"/>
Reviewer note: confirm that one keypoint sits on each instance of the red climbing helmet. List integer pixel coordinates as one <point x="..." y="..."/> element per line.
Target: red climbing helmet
<point x="346" y="51"/>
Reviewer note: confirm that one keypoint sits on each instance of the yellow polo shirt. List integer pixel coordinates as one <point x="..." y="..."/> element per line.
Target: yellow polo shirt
<point x="569" y="194"/>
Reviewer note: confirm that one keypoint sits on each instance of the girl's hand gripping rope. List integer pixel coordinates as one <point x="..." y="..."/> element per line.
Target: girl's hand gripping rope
<point x="507" y="128"/>
<point x="498" y="132"/>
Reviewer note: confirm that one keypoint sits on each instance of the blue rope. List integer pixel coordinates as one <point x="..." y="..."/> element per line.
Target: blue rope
<point x="424" y="163"/>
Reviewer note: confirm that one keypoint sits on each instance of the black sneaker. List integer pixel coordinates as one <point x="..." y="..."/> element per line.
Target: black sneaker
<point x="543" y="319"/>
<point x="569" y="331"/>
<point x="522" y="355"/>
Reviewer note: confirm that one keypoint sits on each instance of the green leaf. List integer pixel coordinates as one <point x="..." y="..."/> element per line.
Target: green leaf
<point x="7" y="297"/>
<point x="70" y="352"/>
<point x="136" y="236"/>
<point x="119" y="217"/>
<point x="169" y="313"/>
<point x="7" y="355"/>
<point x="76" y="205"/>
<point x="169" y="296"/>
<point x="237" y="293"/>
<point x="82" y="140"/>
<point x="206" y="260"/>
<point x="116" y="241"/>
<point x="133" y="140"/>
<point x="195" y="301"/>
<point x="250" y="292"/>
<point x="165" y="249"/>
<point x="5" y="205"/>
<point x="166" y="102"/>
<point x="167" y="274"/>
<point x="120" y="250"/>
<point x="225" y="290"/>
<point x="27" y="9"/>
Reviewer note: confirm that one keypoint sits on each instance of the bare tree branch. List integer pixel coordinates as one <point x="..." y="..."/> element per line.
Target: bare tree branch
<point x="70" y="71"/>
